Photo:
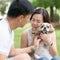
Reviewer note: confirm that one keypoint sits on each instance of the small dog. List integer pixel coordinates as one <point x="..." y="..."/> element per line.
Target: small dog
<point x="42" y="51"/>
<point x="45" y="28"/>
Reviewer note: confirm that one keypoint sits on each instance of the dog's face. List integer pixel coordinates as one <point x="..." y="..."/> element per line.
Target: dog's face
<point x="46" y="28"/>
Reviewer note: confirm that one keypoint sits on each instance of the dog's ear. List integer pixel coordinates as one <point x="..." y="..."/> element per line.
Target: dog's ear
<point x="51" y="28"/>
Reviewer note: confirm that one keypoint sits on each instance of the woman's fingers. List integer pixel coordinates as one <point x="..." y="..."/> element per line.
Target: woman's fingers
<point x="36" y="42"/>
<point x="46" y="37"/>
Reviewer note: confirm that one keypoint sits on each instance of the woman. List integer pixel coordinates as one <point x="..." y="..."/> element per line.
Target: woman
<point x="39" y="16"/>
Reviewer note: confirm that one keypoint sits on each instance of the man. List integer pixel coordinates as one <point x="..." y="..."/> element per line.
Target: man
<point x="17" y="16"/>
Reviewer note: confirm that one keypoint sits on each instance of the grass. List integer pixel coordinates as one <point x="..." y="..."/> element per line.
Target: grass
<point x="19" y="31"/>
<point x="58" y="40"/>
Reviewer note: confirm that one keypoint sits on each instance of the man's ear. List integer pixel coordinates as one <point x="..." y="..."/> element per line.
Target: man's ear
<point x="51" y="28"/>
<point x="20" y="17"/>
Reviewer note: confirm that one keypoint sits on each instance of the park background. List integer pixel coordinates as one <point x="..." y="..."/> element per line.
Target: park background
<point x="53" y="8"/>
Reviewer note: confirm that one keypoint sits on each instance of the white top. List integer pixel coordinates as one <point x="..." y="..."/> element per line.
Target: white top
<point x="6" y="37"/>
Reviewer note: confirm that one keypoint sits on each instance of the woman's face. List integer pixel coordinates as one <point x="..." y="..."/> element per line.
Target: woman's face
<point x="36" y="20"/>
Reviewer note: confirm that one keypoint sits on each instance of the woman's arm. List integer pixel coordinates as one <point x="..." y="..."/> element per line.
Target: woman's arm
<point x="51" y="40"/>
<point x="24" y="40"/>
<point x="53" y="48"/>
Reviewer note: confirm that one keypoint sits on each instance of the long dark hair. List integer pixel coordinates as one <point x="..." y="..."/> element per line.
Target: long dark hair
<point x="43" y="12"/>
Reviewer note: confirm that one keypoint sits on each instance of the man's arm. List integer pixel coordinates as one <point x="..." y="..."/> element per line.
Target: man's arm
<point x="30" y="49"/>
<point x="2" y="57"/>
<point x="18" y="51"/>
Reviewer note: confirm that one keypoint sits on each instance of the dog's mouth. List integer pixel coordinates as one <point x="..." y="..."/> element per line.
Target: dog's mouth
<point x="44" y="32"/>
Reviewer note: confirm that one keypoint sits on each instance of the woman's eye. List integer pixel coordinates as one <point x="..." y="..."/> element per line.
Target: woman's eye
<point x="33" y="19"/>
<point x="38" y="21"/>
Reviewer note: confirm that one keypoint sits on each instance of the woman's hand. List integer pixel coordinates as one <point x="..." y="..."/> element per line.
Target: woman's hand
<point x="36" y="42"/>
<point x="46" y="38"/>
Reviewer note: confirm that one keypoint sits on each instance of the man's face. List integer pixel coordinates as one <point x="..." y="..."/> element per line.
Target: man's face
<point x="24" y="20"/>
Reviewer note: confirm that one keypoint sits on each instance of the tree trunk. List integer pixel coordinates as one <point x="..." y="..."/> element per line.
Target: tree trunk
<point x="51" y="14"/>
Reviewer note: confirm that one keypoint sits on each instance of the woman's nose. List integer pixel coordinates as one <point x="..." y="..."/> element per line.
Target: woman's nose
<point x="35" y="22"/>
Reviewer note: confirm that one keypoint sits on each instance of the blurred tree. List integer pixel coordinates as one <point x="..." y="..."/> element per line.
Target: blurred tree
<point x="47" y="3"/>
<point x="3" y="5"/>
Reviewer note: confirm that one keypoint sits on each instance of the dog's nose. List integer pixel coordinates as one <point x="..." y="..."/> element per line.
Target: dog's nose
<point x="44" y="28"/>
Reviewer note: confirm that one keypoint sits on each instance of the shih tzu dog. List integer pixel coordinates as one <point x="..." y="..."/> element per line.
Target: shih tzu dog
<point x="43" y="50"/>
<point x="45" y="28"/>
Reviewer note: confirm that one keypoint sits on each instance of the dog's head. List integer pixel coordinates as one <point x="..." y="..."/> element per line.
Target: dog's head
<point x="46" y="28"/>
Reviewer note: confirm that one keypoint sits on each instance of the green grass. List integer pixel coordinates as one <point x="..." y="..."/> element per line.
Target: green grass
<point x="58" y="40"/>
<point x="19" y="31"/>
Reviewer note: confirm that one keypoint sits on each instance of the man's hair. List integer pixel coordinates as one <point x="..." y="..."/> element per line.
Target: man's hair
<point x="20" y="7"/>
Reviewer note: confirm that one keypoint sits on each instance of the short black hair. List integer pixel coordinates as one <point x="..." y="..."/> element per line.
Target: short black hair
<point x="44" y="13"/>
<point x="20" y="7"/>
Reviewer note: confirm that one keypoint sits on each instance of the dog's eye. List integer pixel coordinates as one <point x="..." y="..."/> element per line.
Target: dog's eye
<point x="42" y="26"/>
<point x="47" y="26"/>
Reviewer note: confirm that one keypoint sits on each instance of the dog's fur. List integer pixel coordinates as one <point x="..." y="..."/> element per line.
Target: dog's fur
<point x="45" y="28"/>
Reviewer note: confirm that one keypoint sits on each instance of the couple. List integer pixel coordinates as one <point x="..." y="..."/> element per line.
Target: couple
<point x="18" y="15"/>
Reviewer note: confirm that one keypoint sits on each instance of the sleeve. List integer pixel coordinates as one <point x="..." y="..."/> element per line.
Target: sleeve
<point x="5" y="42"/>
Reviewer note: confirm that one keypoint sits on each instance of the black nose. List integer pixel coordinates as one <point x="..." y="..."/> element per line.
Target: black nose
<point x="44" y="28"/>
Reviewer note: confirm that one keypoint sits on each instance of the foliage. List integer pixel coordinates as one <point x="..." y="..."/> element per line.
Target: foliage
<point x="3" y="5"/>
<point x="2" y="9"/>
<point x="46" y="3"/>
<point x="56" y="17"/>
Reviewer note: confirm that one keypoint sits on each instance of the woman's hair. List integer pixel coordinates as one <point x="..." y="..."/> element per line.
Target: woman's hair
<point x="20" y="7"/>
<point x="43" y="12"/>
